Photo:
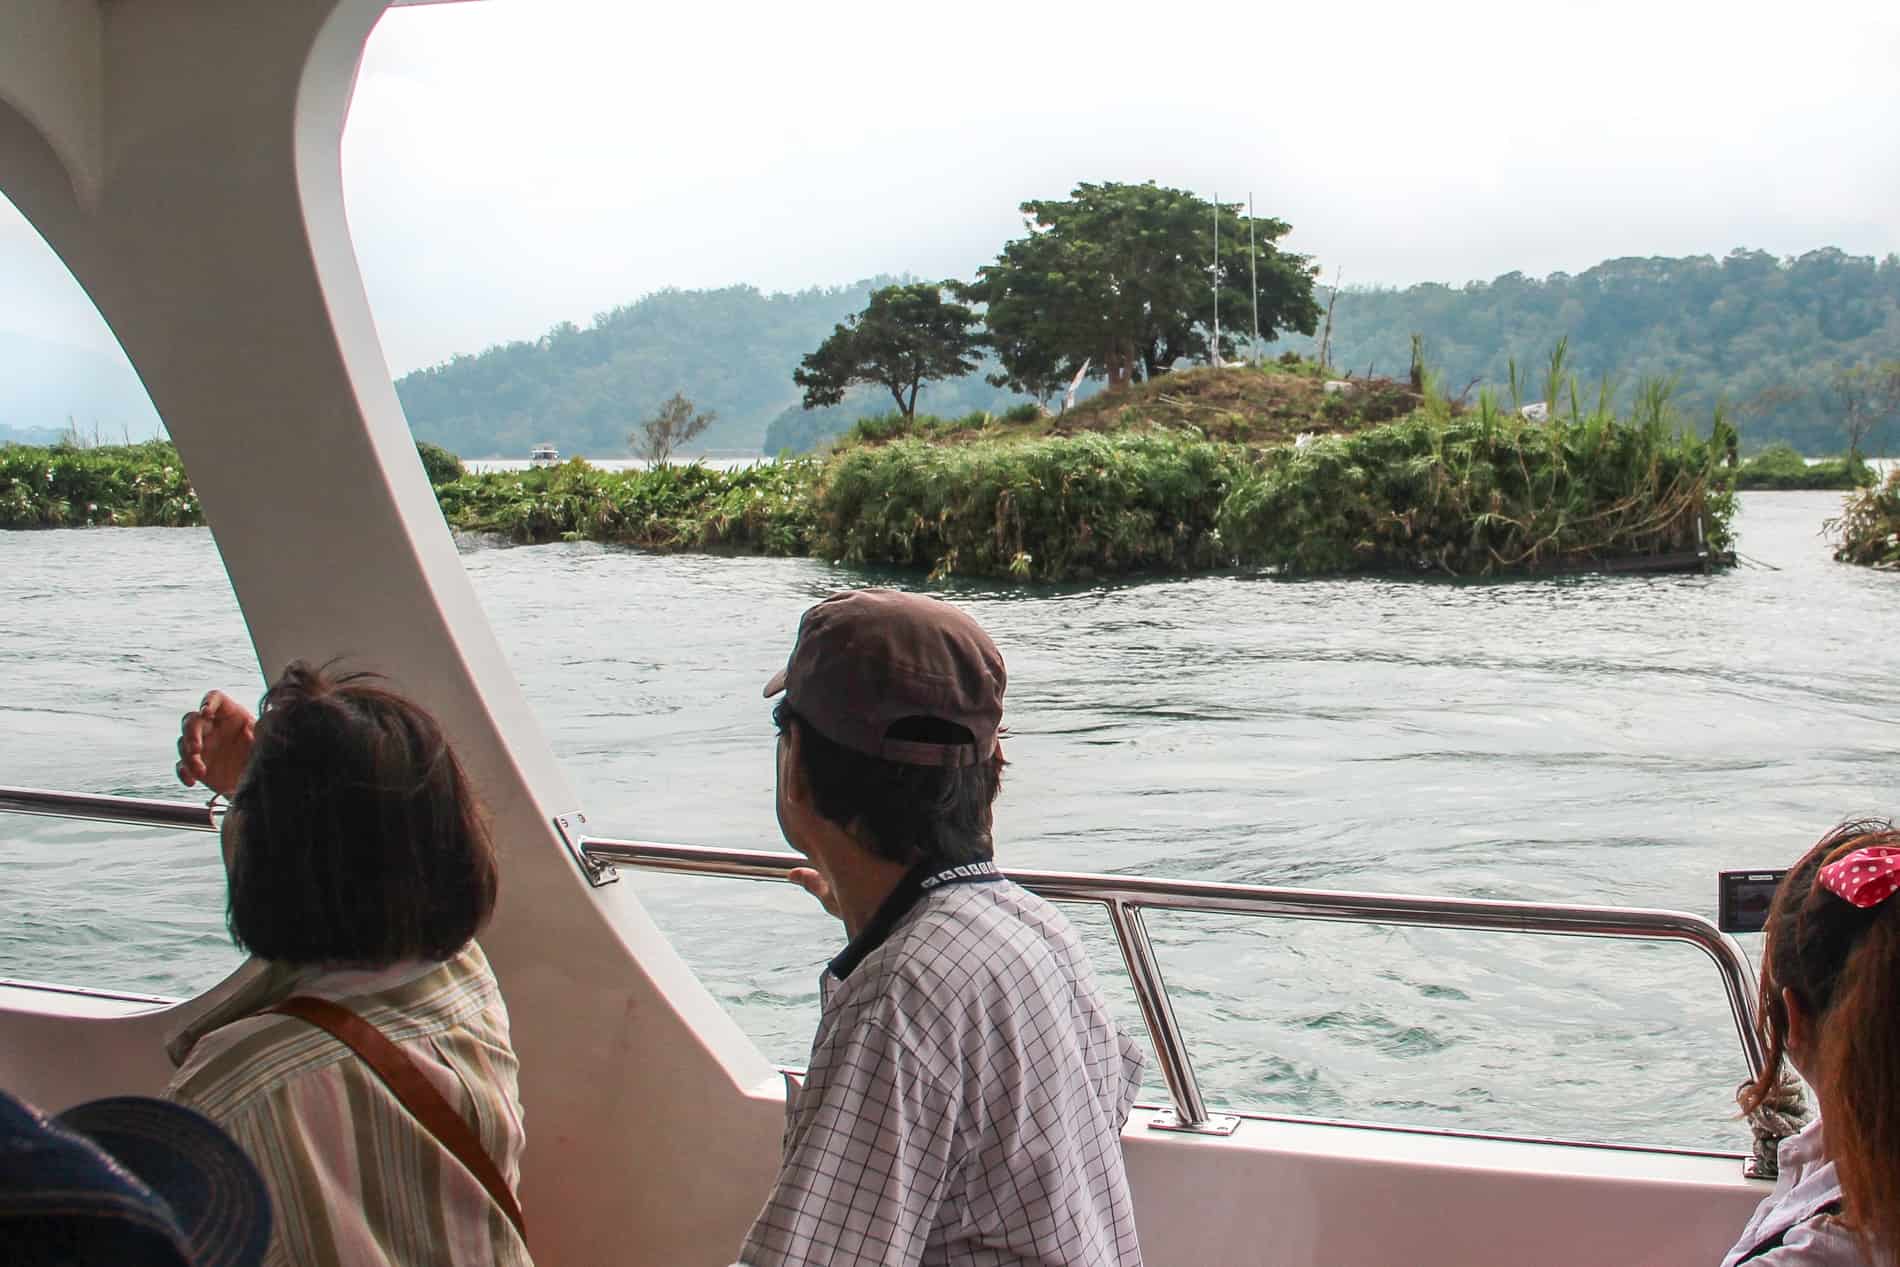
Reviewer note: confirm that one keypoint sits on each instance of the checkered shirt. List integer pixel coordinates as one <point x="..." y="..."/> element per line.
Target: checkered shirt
<point x="965" y="1099"/>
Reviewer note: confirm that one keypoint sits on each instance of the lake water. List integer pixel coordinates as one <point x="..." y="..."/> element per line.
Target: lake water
<point x="1593" y="739"/>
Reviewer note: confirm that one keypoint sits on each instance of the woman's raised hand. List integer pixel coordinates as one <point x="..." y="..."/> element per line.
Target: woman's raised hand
<point x="214" y="743"/>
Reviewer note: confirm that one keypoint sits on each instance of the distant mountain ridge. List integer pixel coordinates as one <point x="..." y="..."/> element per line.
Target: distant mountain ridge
<point x="1729" y="328"/>
<point x="730" y="350"/>
<point x="29" y="435"/>
<point x="1734" y="328"/>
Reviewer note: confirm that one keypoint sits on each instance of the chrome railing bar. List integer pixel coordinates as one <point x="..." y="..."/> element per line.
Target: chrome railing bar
<point x="1208" y="897"/>
<point x="131" y="810"/>
<point x="1157" y="1012"/>
<point x="1211" y="897"/>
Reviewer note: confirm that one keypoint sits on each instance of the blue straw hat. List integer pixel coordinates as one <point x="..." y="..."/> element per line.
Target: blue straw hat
<point x="127" y="1180"/>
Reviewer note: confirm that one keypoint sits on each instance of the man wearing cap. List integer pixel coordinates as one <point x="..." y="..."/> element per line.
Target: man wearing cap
<point x="967" y="1085"/>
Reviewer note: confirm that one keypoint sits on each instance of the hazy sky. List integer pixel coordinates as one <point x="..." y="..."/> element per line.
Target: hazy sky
<point x="510" y="164"/>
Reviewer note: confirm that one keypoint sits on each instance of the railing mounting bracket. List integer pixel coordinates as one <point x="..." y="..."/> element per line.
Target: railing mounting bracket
<point x="570" y="826"/>
<point x="1216" y="1124"/>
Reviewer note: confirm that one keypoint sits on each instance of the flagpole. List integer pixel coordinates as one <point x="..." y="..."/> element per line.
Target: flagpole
<point x="1213" y="355"/>
<point x="1253" y="274"/>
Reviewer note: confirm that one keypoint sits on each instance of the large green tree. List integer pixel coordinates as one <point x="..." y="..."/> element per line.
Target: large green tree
<point x="905" y="337"/>
<point x="1123" y="277"/>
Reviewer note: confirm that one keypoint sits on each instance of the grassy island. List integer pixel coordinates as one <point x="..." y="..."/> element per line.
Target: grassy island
<point x="1171" y="477"/>
<point x="1780" y="467"/>
<point x="1270" y="466"/>
<point x="128" y="486"/>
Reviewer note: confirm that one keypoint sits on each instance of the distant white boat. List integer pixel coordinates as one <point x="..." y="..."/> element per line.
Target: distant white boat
<point x="544" y="455"/>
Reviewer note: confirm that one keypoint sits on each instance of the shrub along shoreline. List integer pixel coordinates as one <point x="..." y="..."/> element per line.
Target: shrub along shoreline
<point x="1481" y="493"/>
<point x="1867" y="531"/>
<point x="131" y="486"/>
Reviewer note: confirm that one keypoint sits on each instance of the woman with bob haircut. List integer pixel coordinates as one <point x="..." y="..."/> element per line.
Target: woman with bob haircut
<point x="1830" y="1007"/>
<point x="362" y="1059"/>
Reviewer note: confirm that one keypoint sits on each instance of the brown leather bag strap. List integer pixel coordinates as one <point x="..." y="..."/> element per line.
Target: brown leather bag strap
<point x="412" y="1090"/>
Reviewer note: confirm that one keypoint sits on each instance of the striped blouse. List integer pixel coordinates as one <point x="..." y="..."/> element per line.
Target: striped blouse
<point x="354" y="1179"/>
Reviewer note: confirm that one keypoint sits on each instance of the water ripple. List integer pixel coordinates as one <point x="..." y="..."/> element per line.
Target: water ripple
<point x="1598" y="739"/>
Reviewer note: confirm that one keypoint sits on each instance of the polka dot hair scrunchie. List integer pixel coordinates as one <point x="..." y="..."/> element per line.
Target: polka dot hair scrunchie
<point x="1866" y="877"/>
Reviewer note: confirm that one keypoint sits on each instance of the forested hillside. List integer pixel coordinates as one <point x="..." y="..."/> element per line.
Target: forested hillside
<point x="1764" y="334"/>
<point x="731" y="351"/>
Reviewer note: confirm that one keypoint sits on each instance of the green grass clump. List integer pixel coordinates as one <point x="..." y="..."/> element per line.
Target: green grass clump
<point x="1479" y="494"/>
<point x="883" y="428"/>
<point x="439" y="464"/>
<point x="1781" y="467"/>
<point x="135" y="485"/>
<point x="1040" y="509"/>
<point x="763" y="509"/>
<point x="1867" y="531"/>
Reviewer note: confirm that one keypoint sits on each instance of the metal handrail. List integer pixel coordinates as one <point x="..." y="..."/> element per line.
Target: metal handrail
<point x="132" y="810"/>
<point x="1126" y="897"/>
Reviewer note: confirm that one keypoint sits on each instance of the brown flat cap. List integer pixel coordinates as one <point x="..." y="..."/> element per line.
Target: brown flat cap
<point x="866" y="659"/>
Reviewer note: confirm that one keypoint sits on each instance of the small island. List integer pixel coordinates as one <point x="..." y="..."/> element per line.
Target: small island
<point x="1272" y="466"/>
<point x="1780" y="468"/>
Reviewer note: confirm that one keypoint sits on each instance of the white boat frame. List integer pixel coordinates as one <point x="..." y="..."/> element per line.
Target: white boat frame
<point x="182" y="158"/>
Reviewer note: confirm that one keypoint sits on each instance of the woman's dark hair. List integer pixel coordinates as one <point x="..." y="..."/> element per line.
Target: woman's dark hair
<point x="359" y="840"/>
<point x="935" y="815"/>
<point x="1842" y="962"/>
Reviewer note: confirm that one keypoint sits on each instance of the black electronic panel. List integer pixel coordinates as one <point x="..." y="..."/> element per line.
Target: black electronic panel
<point x="1743" y="898"/>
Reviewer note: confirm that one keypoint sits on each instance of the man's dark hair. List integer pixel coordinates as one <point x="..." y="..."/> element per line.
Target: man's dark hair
<point x="359" y="840"/>
<point x="935" y="815"/>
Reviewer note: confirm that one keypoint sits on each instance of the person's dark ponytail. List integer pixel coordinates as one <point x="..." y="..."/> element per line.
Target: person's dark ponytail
<point x="1858" y="1054"/>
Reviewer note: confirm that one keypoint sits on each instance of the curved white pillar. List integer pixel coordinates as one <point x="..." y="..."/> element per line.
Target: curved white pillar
<point x="181" y="157"/>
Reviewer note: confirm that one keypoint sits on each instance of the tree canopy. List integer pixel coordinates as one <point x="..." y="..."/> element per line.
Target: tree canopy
<point x="1865" y="398"/>
<point x="1122" y="278"/>
<point x="905" y="337"/>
